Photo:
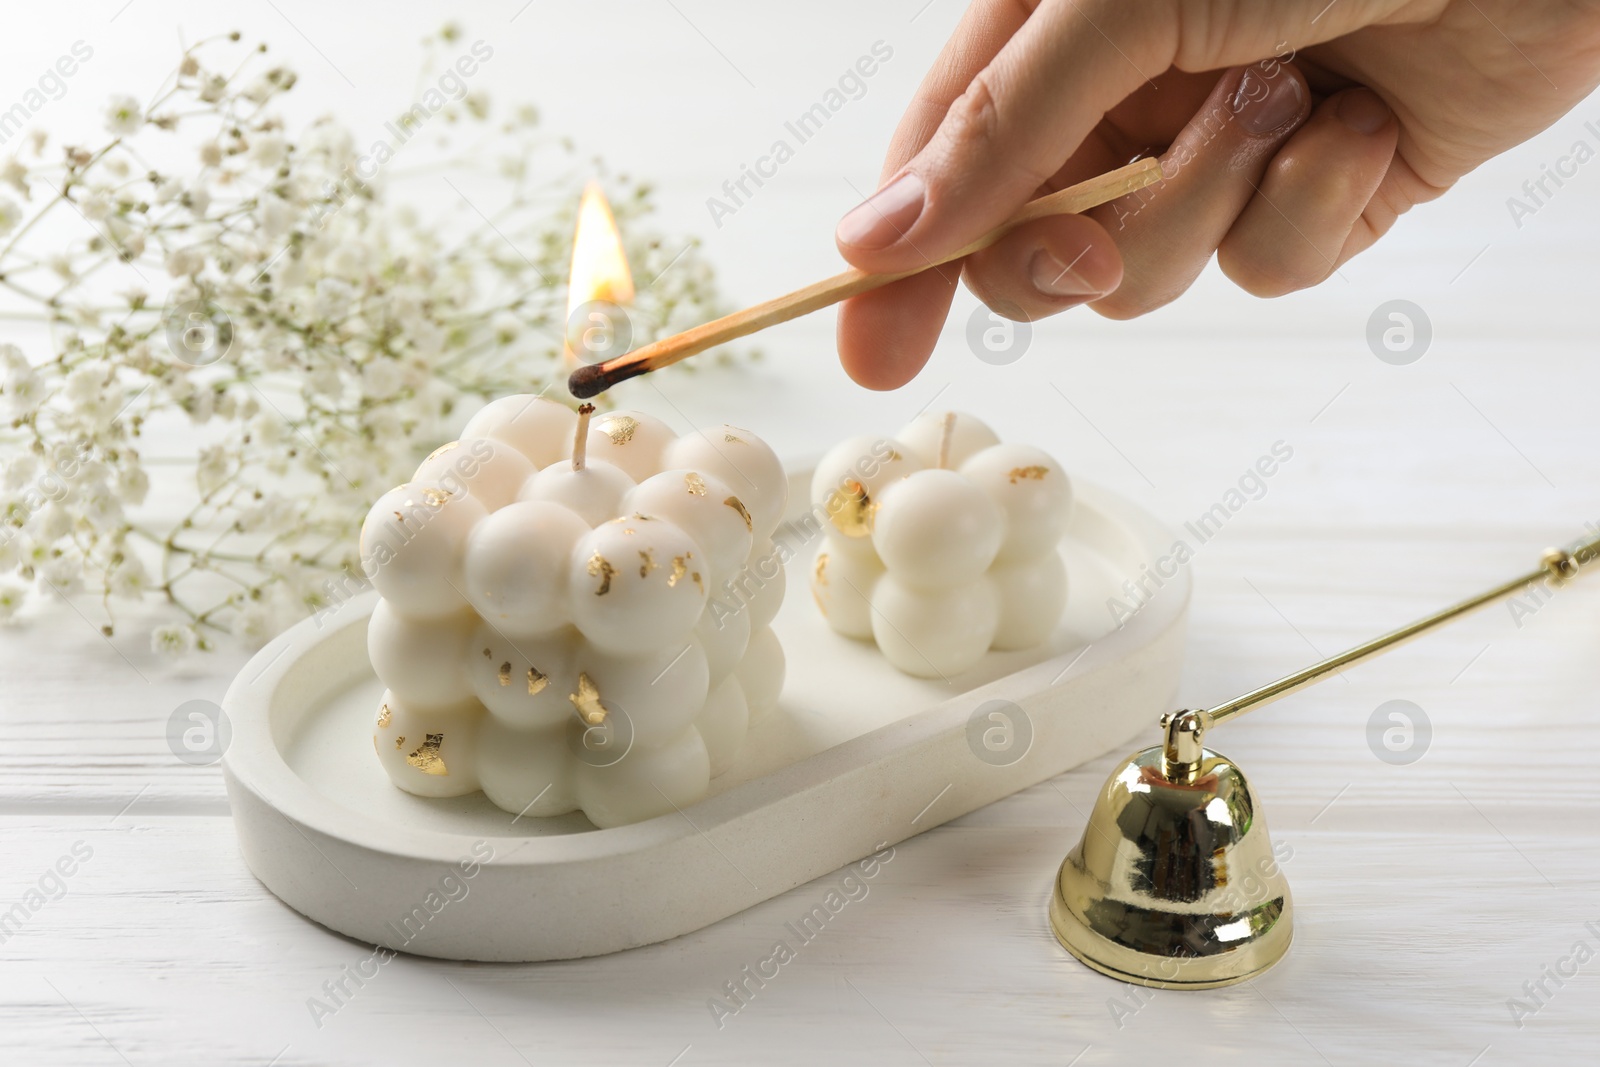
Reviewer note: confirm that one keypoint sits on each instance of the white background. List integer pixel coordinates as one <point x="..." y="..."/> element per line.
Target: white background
<point x="1428" y="894"/>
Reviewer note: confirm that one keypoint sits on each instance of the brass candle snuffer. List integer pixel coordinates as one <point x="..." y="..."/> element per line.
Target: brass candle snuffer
<point x="1174" y="883"/>
<point x="1156" y="891"/>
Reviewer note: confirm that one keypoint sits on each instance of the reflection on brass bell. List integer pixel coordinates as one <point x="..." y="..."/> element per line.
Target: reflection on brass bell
<point x="1175" y="883"/>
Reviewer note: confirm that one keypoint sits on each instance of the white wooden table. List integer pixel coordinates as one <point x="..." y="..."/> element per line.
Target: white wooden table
<point x="1428" y="893"/>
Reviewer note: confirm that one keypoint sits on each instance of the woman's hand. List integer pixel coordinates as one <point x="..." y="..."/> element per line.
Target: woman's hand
<point x="1332" y="119"/>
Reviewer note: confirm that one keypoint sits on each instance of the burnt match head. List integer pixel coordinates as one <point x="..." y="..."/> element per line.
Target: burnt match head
<point x="595" y="378"/>
<point x="587" y="381"/>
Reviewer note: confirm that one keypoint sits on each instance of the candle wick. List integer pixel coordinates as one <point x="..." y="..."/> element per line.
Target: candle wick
<point x="944" y="439"/>
<point x="580" y="442"/>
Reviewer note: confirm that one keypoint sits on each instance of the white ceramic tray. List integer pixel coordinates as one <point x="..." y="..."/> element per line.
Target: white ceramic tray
<point x="855" y="756"/>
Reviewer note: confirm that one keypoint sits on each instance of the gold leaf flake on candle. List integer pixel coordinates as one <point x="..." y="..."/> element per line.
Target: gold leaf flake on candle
<point x="1035" y="472"/>
<point x="647" y="562"/>
<point x="620" y="428"/>
<point x="436" y="498"/>
<point x="734" y="439"/>
<point x="426" y="758"/>
<point x="744" y="513"/>
<point x="895" y="457"/>
<point x="486" y="654"/>
<point x="587" y="701"/>
<point x="442" y="449"/>
<point x="401" y="740"/>
<point x="384" y="716"/>
<point x="624" y="520"/>
<point x="852" y="509"/>
<point x="821" y="573"/>
<point x="537" y="680"/>
<point x="695" y="483"/>
<point x="505" y="674"/>
<point x="680" y="564"/>
<point x="698" y="584"/>
<point x="600" y="567"/>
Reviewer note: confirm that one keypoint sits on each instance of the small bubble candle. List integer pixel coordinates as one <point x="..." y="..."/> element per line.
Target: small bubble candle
<point x="543" y="627"/>
<point x="942" y="543"/>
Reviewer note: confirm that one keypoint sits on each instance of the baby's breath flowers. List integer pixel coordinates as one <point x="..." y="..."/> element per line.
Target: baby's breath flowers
<point x="252" y="324"/>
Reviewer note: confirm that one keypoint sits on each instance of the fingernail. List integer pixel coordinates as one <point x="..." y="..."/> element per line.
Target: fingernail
<point x="1054" y="278"/>
<point x="1266" y="105"/>
<point x="882" y="218"/>
<point x="1364" y="111"/>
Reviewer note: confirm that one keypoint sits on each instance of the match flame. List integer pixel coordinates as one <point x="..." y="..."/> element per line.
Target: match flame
<point x="599" y="265"/>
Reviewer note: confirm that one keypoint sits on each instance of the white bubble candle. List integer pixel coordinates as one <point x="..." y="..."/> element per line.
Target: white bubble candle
<point x="942" y="543"/>
<point x="543" y="627"/>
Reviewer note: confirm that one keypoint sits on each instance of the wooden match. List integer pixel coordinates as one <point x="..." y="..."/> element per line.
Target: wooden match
<point x="596" y="378"/>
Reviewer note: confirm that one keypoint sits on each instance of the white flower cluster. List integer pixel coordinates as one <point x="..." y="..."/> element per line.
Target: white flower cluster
<point x="545" y="629"/>
<point x="319" y="335"/>
<point x="941" y="543"/>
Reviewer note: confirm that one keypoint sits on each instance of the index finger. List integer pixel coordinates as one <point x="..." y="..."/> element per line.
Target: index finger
<point x="1008" y="129"/>
<point x="885" y="336"/>
<point x="984" y="29"/>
